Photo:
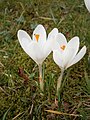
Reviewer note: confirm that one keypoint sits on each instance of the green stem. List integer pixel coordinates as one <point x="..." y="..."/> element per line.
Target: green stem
<point x="59" y="82"/>
<point x="40" y="78"/>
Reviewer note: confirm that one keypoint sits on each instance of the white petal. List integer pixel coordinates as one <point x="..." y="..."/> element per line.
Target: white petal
<point x="67" y="55"/>
<point x="24" y="40"/>
<point x="73" y="44"/>
<point x="57" y="56"/>
<point x="87" y="3"/>
<point x="61" y="39"/>
<point x="23" y="34"/>
<point x="51" y="45"/>
<point x="51" y="41"/>
<point x="53" y="34"/>
<point x="36" y="53"/>
<point x="40" y="30"/>
<point x="55" y="46"/>
<point x="78" y="57"/>
<point x="47" y="48"/>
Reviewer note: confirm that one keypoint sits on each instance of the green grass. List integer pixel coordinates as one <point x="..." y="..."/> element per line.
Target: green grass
<point x="20" y="97"/>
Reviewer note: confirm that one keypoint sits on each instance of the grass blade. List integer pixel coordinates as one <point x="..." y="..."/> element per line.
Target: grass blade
<point x="5" y="114"/>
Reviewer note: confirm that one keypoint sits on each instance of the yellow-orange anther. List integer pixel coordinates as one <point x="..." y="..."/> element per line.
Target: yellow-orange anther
<point x="63" y="47"/>
<point x="37" y="37"/>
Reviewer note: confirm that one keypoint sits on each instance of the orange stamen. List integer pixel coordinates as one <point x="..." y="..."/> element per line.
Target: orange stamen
<point x="37" y="37"/>
<point x="63" y="47"/>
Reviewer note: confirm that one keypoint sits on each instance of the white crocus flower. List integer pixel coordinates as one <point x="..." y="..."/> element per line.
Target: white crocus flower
<point x="67" y="54"/>
<point x="39" y="47"/>
<point x="87" y="3"/>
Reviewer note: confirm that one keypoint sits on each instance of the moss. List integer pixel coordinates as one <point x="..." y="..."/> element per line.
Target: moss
<point x="23" y="97"/>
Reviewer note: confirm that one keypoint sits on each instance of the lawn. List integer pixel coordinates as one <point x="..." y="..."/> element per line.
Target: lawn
<point x="20" y="96"/>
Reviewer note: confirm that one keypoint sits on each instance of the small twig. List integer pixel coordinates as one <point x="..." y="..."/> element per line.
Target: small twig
<point x="3" y="91"/>
<point x="17" y="115"/>
<point x="1" y="64"/>
<point x="86" y="104"/>
<point x="61" y="113"/>
<point x="71" y="110"/>
<point x="31" y="109"/>
<point x="45" y="18"/>
<point x="76" y="109"/>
